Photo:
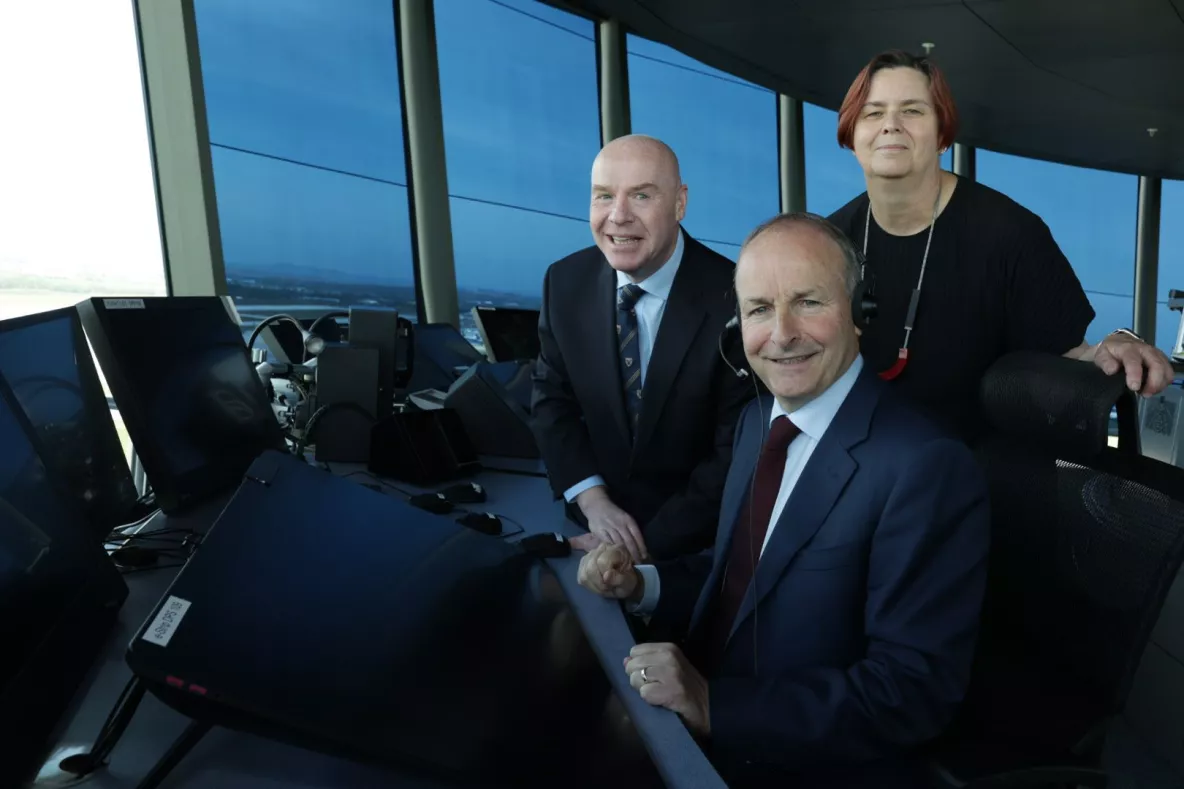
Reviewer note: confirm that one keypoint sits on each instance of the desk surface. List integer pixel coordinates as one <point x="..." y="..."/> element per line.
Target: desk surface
<point x="232" y="760"/>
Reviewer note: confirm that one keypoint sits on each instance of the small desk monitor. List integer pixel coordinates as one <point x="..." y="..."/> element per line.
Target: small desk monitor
<point x="510" y="334"/>
<point x="189" y="396"/>
<point x="47" y="363"/>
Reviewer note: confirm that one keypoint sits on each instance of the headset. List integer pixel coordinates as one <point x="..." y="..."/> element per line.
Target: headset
<point x="864" y="309"/>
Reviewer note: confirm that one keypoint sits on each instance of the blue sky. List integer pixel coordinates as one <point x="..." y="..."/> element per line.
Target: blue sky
<point x="302" y="98"/>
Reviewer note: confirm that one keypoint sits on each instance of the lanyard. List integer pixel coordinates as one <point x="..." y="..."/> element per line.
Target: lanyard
<point x="902" y="357"/>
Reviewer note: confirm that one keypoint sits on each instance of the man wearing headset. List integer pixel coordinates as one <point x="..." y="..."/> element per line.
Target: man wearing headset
<point x="865" y="526"/>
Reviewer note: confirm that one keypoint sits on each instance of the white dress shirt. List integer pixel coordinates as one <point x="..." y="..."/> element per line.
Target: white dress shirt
<point x="649" y="309"/>
<point x="812" y="419"/>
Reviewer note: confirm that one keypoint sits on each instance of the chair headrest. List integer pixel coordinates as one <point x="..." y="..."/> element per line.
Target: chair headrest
<point x="1060" y="404"/>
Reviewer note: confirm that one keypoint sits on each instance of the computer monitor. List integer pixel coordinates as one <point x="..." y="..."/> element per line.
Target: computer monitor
<point x="441" y="354"/>
<point x="47" y="363"/>
<point x="493" y="402"/>
<point x="189" y="397"/>
<point x="59" y="596"/>
<point x="414" y="642"/>
<point x="510" y="334"/>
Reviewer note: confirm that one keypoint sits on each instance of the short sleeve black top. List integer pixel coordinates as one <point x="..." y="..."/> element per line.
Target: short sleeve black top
<point x="996" y="282"/>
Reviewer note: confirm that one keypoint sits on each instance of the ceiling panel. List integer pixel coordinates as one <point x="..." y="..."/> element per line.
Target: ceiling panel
<point x="1073" y="81"/>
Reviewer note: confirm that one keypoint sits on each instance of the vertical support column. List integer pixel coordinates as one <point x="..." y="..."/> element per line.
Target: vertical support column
<point x="964" y="161"/>
<point x="791" y="153"/>
<point x="180" y="143"/>
<point x="428" y="172"/>
<point x="1147" y="257"/>
<point x="612" y="60"/>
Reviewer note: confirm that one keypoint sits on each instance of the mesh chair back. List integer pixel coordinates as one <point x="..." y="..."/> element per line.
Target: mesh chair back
<point x="1086" y="541"/>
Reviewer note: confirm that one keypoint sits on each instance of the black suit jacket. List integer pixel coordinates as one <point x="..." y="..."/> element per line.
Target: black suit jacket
<point x="670" y="479"/>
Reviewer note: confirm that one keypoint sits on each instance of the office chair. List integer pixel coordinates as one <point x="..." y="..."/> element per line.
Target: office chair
<point x="1086" y="540"/>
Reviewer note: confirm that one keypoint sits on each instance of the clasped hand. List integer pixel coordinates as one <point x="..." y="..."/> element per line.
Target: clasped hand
<point x="608" y="571"/>
<point x="661" y="673"/>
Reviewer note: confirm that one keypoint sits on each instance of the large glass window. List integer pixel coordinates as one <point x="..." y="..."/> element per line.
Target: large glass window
<point x="833" y="175"/>
<point x="77" y="200"/>
<point x="1091" y="214"/>
<point x="306" y="138"/>
<point x="1171" y="263"/>
<point x="521" y="128"/>
<point x="724" y="131"/>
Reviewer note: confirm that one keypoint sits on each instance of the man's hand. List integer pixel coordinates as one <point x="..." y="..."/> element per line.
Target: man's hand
<point x="585" y="542"/>
<point x="665" y="678"/>
<point x="608" y="571"/>
<point x="1148" y="370"/>
<point x="611" y="524"/>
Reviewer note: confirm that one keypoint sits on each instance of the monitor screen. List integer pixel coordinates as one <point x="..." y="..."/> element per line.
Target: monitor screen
<point x="47" y="364"/>
<point x="44" y="559"/>
<point x="510" y="334"/>
<point x="189" y="396"/>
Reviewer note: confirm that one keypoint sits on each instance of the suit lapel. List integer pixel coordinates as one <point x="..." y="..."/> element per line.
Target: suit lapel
<point x="602" y="344"/>
<point x="820" y="485"/>
<point x="679" y="325"/>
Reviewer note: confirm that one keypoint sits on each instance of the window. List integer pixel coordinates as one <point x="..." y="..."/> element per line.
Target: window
<point x="1171" y="263"/>
<point x="1091" y="214"/>
<point x="521" y="128"/>
<point x="306" y="137"/>
<point x="724" y="132"/>
<point x="77" y="197"/>
<point x="833" y="175"/>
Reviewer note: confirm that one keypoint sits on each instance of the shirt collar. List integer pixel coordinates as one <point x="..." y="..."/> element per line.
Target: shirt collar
<point x="815" y="416"/>
<point x="659" y="283"/>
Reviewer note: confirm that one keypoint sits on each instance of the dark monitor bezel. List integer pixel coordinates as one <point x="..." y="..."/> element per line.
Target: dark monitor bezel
<point x="40" y="691"/>
<point x="174" y="493"/>
<point x="479" y="313"/>
<point x="92" y="391"/>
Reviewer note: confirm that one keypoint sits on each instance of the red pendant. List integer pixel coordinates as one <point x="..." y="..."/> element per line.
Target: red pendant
<point x="902" y="359"/>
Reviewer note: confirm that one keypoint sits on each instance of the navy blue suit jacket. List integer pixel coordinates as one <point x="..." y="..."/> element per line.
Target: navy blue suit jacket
<point x="856" y="638"/>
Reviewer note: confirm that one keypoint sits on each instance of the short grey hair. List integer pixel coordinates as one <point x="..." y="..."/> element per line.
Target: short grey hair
<point x="852" y="259"/>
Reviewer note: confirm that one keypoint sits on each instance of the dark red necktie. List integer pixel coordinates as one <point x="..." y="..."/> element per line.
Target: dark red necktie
<point x="748" y="536"/>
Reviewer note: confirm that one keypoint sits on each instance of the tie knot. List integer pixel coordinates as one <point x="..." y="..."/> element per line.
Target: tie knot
<point x="781" y="434"/>
<point x="628" y="296"/>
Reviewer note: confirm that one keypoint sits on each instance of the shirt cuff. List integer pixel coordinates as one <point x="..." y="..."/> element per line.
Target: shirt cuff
<point x="653" y="587"/>
<point x="570" y="494"/>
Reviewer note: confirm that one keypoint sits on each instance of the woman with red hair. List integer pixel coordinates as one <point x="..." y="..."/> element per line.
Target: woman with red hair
<point x="963" y="274"/>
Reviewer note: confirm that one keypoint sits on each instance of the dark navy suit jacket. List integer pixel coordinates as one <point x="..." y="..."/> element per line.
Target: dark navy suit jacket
<point x="855" y="641"/>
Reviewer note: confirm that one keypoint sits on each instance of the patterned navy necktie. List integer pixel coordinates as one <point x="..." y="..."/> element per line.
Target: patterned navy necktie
<point x="629" y="351"/>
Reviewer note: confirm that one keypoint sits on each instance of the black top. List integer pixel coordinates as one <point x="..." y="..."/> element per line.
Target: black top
<point x="996" y="282"/>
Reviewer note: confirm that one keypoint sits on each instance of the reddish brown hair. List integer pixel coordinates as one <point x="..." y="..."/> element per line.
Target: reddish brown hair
<point x="943" y="100"/>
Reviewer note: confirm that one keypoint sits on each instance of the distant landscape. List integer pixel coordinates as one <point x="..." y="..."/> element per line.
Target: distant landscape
<point x="25" y="293"/>
<point x="305" y="292"/>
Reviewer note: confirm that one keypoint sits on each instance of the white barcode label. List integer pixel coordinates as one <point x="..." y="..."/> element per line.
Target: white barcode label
<point x="123" y="304"/>
<point x="167" y="621"/>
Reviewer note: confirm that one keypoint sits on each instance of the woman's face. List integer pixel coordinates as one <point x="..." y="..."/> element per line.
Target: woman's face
<point x="896" y="133"/>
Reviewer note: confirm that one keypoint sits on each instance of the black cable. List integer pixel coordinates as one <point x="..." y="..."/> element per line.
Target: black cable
<point x="306" y="439"/>
<point x="380" y="481"/>
<point x="334" y="314"/>
<point x="130" y="570"/>
<point x="263" y="324"/>
<point x="455" y="508"/>
<point x="512" y="522"/>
